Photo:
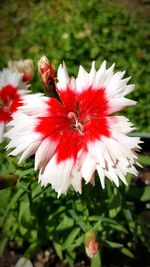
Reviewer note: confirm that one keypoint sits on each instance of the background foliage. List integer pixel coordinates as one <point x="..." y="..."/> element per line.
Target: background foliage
<point x="76" y="32"/>
<point x="79" y="32"/>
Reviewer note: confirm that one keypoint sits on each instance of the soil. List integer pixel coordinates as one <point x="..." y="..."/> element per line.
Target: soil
<point x="44" y="258"/>
<point x="48" y="258"/>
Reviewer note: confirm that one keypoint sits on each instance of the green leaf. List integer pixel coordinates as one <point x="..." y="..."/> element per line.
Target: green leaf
<point x="114" y="225"/>
<point x="3" y="243"/>
<point x="79" y="221"/>
<point x="115" y="200"/>
<point x="113" y="244"/>
<point x="119" y="228"/>
<point x="13" y="200"/>
<point x="71" y="238"/>
<point x="113" y="212"/>
<point x="145" y="160"/>
<point x="65" y="223"/>
<point x="70" y="256"/>
<point x="36" y="190"/>
<point x="98" y="226"/>
<point x="95" y="218"/>
<point x="4" y="199"/>
<point x="127" y="252"/>
<point x="22" y="173"/>
<point x="79" y="241"/>
<point x="146" y="194"/>
<point x="32" y="249"/>
<point x="58" y="249"/>
<point x="96" y="260"/>
<point x="129" y="179"/>
<point x="108" y="220"/>
<point x="132" y="226"/>
<point x="128" y="215"/>
<point x="24" y="214"/>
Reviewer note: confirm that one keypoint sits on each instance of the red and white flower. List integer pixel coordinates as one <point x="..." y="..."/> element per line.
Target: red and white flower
<point x="12" y="88"/>
<point x="78" y="135"/>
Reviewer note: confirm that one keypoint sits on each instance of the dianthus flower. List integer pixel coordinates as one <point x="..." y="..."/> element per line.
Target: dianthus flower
<point x="12" y="88"/>
<point x="77" y="135"/>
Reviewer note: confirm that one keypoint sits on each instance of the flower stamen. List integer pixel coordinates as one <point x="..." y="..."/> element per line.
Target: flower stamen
<point x="77" y="125"/>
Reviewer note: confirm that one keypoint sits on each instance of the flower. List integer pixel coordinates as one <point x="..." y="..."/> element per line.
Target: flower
<point x="46" y="71"/>
<point x="23" y="66"/>
<point x="91" y="245"/>
<point x="78" y="135"/>
<point x="12" y="88"/>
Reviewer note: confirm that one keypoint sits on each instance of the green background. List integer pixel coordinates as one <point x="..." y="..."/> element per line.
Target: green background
<point x="79" y="32"/>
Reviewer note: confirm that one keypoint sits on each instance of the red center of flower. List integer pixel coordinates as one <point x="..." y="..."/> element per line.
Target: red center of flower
<point x="75" y="121"/>
<point x="9" y="101"/>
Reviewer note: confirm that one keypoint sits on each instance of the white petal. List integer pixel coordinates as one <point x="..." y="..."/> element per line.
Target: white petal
<point x="57" y="174"/>
<point x="8" y="77"/>
<point x="108" y="75"/>
<point x="72" y="84"/>
<point x="82" y="80"/>
<point x="106" y="154"/>
<point x="92" y="74"/>
<point x="120" y="123"/>
<point x="45" y="151"/>
<point x="63" y="78"/>
<point x="1" y="131"/>
<point x="76" y="181"/>
<point x="121" y="172"/>
<point x="35" y="104"/>
<point x="112" y="176"/>
<point x="29" y="151"/>
<point x="116" y="150"/>
<point x="22" y="135"/>
<point x="94" y="149"/>
<point x="88" y="168"/>
<point x="99" y="75"/>
<point x="101" y="174"/>
<point x="117" y="104"/>
<point x="22" y="143"/>
<point x="128" y="89"/>
<point x="92" y="181"/>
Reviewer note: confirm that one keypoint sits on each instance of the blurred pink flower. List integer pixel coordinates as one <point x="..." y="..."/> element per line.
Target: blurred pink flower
<point x="23" y="66"/>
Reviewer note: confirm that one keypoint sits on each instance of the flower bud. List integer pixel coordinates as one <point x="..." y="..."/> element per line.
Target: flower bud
<point x="46" y="71"/>
<point x="91" y="245"/>
<point x="23" y="66"/>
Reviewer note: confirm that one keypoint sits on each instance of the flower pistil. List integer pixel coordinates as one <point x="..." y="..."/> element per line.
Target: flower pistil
<point x="76" y="123"/>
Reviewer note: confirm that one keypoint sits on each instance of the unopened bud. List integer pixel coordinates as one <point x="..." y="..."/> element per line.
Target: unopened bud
<point x="46" y="71"/>
<point x="91" y="244"/>
<point x="23" y="66"/>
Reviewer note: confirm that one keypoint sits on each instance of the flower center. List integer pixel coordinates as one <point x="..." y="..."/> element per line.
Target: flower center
<point x="1" y="103"/>
<point x="4" y="105"/>
<point x="9" y="101"/>
<point x="76" y="123"/>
